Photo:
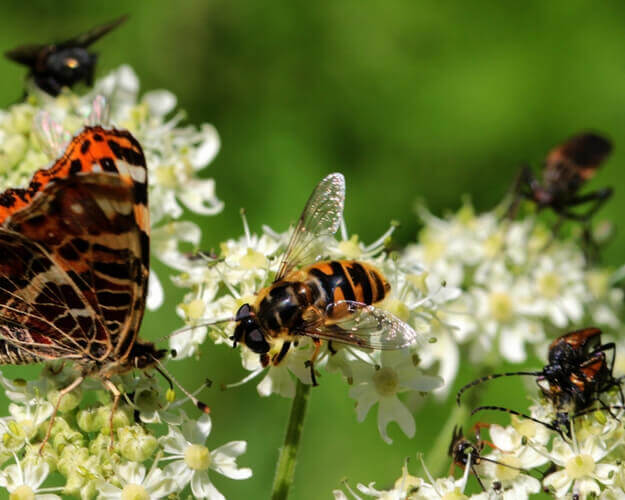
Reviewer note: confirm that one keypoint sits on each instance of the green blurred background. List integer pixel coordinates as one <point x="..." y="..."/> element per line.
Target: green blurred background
<point x="409" y="99"/>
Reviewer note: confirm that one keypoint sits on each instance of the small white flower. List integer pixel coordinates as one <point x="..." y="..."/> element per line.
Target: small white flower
<point x="23" y="481"/>
<point x="381" y="383"/>
<point x="192" y="459"/>
<point x="581" y="467"/>
<point x="135" y="483"/>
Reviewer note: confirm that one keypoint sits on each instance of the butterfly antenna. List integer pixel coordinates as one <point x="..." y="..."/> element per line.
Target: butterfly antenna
<point x="160" y="368"/>
<point x="100" y="112"/>
<point x="491" y="377"/>
<point x="189" y="328"/>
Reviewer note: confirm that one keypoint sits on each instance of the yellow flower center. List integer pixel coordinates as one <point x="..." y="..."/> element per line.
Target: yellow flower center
<point x="526" y="428"/>
<point x="505" y="473"/>
<point x="397" y="307"/>
<point x="433" y="250"/>
<point x="253" y="260"/>
<point x="197" y="457"/>
<point x="549" y="285"/>
<point x="418" y="281"/>
<point x="134" y="492"/>
<point x="350" y="248"/>
<point x="386" y="381"/>
<point x="493" y="245"/>
<point x="166" y="176"/>
<point x="195" y="309"/>
<point x="598" y="282"/>
<point x="501" y="306"/>
<point x="580" y="466"/>
<point x="22" y="493"/>
<point x="456" y="494"/>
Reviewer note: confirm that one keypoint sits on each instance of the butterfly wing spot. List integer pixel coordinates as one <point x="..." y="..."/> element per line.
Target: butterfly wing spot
<point x="77" y="208"/>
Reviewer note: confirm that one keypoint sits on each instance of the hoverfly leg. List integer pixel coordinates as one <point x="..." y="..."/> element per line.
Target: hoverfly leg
<point x="311" y="362"/>
<point x="331" y="348"/>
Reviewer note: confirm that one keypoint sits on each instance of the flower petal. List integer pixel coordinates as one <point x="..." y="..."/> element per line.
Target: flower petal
<point x="202" y="487"/>
<point x="393" y="410"/>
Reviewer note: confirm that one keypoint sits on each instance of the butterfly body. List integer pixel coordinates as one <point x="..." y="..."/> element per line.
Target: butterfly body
<point x="57" y="65"/>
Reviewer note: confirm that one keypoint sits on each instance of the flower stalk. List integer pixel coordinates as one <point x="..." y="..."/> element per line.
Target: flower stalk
<point x="285" y="467"/>
<point x="438" y="459"/>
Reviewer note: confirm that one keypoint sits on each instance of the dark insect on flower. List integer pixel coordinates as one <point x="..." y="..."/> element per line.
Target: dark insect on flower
<point x="57" y="65"/>
<point x="567" y="167"/>
<point x="464" y="452"/>
<point x="576" y="374"/>
<point x="326" y="300"/>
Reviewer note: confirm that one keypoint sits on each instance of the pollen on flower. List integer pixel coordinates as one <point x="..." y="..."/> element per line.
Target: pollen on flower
<point x="197" y="457"/>
<point x="195" y="309"/>
<point x="253" y="260"/>
<point x="524" y="427"/>
<point x="456" y="494"/>
<point x="386" y="381"/>
<point x="23" y="492"/>
<point x="549" y="285"/>
<point x="508" y="469"/>
<point x="580" y="466"/>
<point x="134" y="492"/>
<point x="350" y="248"/>
<point x="501" y="306"/>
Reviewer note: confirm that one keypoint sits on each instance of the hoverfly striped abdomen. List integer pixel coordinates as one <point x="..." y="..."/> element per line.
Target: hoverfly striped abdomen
<point x="338" y="280"/>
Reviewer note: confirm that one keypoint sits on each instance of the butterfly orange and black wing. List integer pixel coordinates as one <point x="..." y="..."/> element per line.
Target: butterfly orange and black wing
<point x="79" y="286"/>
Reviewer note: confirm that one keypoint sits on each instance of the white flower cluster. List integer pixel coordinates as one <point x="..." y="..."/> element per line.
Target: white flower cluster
<point x="527" y="457"/>
<point x="174" y="153"/>
<point x="136" y="464"/>
<point x="220" y="285"/>
<point x="521" y="286"/>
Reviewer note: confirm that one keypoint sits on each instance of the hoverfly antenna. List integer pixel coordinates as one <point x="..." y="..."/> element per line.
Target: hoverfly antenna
<point x="203" y="407"/>
<point x="518" y="414"/>
<point x="491" y="377"/>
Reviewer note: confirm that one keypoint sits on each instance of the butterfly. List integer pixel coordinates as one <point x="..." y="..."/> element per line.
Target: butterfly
<point x="74" y="261"/>
<point x="57" y="65"/>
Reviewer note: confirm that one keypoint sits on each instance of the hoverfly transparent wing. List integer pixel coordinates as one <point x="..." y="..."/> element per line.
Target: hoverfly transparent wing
<point x="319" y="220"/>
<point x="363" y="325"/>
<point x="91" y="36"/>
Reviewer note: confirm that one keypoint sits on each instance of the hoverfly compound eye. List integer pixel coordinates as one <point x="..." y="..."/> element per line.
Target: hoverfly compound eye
<point x="245" y="311"/>
<point x="255" y="340"/>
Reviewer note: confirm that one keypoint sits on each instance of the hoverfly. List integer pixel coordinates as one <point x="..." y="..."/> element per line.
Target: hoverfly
<point x="57" y="65"/>
<point x="331" y="300"/>
<point x="576" y="374"/>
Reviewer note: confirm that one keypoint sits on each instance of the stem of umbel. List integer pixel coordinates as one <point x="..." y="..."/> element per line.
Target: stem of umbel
<point x="438" y="459"/>
<point x="285" y="467"/>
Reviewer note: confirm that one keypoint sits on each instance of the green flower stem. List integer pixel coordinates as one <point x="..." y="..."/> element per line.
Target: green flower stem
<point x="285" y="467"/>
<point x="437" y="459"/>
